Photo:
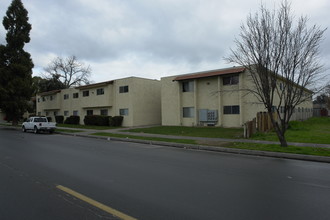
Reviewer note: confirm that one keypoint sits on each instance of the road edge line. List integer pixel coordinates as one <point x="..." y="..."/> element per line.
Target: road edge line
<point x="95" y="203"/>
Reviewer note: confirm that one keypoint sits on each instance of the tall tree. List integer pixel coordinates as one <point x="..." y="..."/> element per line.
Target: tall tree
<point x="44" y="85"/>
<point x="282" y="56"/>
<point x="16" y="74"/>
<point x="69" y="70"/>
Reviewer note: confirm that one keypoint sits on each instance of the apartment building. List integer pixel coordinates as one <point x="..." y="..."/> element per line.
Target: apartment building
<point x="136" y="99"/>
<point x="217" y="97"/>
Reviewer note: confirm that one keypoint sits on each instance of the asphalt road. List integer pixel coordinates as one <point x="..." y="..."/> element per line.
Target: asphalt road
<point x="153" y="182"/>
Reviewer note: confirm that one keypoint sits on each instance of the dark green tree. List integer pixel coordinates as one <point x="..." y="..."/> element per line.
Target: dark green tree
<point x="16" y="68"/>
<point x="43" y="85"/>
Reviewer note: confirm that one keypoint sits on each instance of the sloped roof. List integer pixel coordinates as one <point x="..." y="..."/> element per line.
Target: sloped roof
<point x="210" y="73"/>
<point x="94" y="85"/>
<point x="49" y="92"/>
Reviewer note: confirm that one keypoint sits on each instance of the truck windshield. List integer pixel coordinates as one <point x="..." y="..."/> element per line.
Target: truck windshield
<point x="40" y="120"/>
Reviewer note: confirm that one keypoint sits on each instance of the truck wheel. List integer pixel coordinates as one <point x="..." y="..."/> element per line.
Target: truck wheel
<point x="35" y="130"/>
<point x="23" y="129"/>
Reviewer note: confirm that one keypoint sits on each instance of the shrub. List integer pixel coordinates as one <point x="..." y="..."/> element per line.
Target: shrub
<point x="98" y="120"/>
<point x="73" y="119"/>
<point x="49" y="119"/>
<point x="117" y="121"/>
<point x="59" y="119"/>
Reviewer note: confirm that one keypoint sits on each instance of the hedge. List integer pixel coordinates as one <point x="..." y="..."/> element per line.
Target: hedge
<point x="59" y="119"/>
<point x="98" y="120"/>
<point x="73" y="119"/>
<point x="115" y="121"/>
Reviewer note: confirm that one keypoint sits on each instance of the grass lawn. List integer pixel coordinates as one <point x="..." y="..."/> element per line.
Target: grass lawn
<point x="210" y="132"/>
<point x="313" y="130"/>
<point x="86" y="127"/>
<point x="249" y="146"/>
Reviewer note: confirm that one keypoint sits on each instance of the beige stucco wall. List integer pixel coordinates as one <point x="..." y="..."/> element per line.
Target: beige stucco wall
<point x="170" y="101"/>
<point x="142" y="101"/>
<point x="210" y="93"/>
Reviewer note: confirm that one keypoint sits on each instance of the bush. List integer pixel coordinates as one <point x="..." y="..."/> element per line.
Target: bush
<point x="117" y="121"/>
<point x="98" y="120"/>
<point x="73" y="120"/>
<point x="59" y="119"/>
<point x="49" y="119"/>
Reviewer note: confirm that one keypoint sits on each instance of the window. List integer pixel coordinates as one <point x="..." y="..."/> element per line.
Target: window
<point x="66" y="96"/>
<point x="43" y="98"/>
<point x="230" y="80"/>
<point x="104" y="112"/>
<point x="75" y="113"/>
<point x="231" y="109"/>
<point x="100" y="91"/>
<point x="38" y="99"/>
<point x="51" y="98"/>
<point x="89" y="112"/>
<point x="188" y="112"/>
<point x="66" y="113"/>
<point x="123" y="89"/>
<point x="76" y="95"/>
<point x="85" y="93"/>
<point x="47" y="113"/>
<point x="55" y="113"/>
<point x="123" y="111"/>
<point x="281" y="86"/>
<point x="188" y="86"/>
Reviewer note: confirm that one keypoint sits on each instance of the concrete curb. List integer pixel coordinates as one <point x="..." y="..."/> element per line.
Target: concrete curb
<point x="212" y="148"/>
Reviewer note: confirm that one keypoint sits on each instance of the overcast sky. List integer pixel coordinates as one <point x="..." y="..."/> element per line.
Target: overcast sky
<point x="146" y="38"/>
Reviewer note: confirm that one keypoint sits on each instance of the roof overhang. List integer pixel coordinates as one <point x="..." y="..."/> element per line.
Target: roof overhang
<point x="211" y="73"/>
<point x="89" y="86"/>
<point x="49" y="93"/>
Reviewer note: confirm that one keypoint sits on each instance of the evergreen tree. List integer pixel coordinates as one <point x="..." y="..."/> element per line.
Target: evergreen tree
<point x="16" y="74"/>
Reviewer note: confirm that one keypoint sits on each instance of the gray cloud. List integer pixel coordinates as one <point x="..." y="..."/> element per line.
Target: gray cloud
<point x="145" y="38"/>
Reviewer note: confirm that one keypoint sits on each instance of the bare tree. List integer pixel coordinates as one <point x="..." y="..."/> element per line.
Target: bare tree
<point x="282" y="56"/>
<point x="69" y="71"/>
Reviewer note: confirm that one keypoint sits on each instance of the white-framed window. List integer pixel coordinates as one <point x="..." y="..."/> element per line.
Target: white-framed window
<point x="85" y="93"/>
<point x="100" y="91"/>
<point x="66" y="113"/>
<point x="75" y="95"/>
<point x="188" y="112"/>
<point x="231" y="110"/>
<point x="123" y="111"/>
<point x="230" y="80"/>
<point x="188" y="86"/>
<point x="123" y="89"/>
<point x="75" y="113"/>
<point x="89" y="112"/>
<point x="66" y="96"/>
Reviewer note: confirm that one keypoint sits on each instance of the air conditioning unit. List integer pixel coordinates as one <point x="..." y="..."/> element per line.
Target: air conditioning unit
<point x="209" y="117"/>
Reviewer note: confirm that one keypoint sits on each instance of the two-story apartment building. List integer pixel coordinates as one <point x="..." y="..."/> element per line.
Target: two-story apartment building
<point x="217" y="97"/>
<point x="136" y="99"/>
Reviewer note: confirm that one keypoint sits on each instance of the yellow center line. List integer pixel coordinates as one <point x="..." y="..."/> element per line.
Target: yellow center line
<point x="95" y="203"/>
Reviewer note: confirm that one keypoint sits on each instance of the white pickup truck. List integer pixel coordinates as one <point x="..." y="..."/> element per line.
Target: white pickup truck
<point x="37" y="124"/>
